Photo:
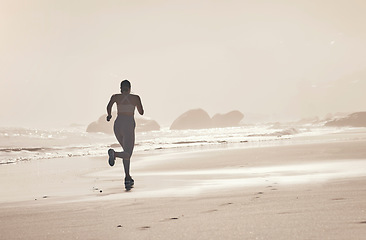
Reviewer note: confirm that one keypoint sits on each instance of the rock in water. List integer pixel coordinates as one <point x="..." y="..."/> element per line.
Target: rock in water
<point x="146" y="125"/>
<point x="199" y="119"/>
<point x="357" y="119"/>
<point x="230" y="119"/>
<point x="142" y="125"/>
<point x="192" y="119"/>
<point x="101" y="125"/>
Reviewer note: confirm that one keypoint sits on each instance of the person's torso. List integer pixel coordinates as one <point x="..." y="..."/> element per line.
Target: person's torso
<point x="125" y="104"/>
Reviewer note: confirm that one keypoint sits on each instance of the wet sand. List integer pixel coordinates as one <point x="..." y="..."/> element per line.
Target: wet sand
<point x="302" y="190"/>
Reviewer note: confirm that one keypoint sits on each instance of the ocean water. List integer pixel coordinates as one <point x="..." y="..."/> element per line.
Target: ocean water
<point x="24" y="144"/>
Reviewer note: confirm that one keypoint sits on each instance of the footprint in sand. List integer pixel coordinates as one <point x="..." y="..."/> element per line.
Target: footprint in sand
<point x="144" y="227"/>
<point x="225" y="204"/>
<point x="258" y="193"/>
<point x="210" y="211"/>
<point x="337" y="199"/>
<point x="169" y="219"/>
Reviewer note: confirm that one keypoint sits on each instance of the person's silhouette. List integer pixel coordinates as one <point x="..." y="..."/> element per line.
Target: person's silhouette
<point x="124" y="126"/>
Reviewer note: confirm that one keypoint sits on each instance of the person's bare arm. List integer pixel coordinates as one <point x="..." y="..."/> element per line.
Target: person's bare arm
<point x="109" y="107"/>
<point x="139" y="106"/>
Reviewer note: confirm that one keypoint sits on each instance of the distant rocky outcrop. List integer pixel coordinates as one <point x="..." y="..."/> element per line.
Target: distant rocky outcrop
<point x="357" y="119"/>
<point x="192" y="119"/>
<point x="229" y="119"/>
<point x="199" y="119"/>
<point x="101" y="125"/>
<point x="146" y="125"/>
<point x="142" y="125"/>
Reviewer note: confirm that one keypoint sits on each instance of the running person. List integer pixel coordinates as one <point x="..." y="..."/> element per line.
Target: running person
<point x="124" y="126"/>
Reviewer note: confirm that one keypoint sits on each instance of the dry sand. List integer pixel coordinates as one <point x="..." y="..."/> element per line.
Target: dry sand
<point x="313" y="189"/>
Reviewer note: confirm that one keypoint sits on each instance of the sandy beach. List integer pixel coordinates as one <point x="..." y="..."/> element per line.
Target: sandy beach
<point x="243" y="120"/>
<point x="305" y="189"/>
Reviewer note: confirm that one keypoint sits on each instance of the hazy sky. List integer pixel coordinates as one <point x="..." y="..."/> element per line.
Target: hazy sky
<point x="60" y="61"/>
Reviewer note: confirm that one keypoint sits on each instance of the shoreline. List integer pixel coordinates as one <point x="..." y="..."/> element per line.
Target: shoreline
<point x="305" y="190"/>
<point x="82" y="178"/>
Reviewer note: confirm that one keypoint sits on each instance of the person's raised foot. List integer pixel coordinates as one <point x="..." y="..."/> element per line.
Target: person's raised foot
<point x="112" y="157"/>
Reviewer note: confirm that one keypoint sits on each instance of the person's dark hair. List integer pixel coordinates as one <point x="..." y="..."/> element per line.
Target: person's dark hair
<point x="125" y="86"/>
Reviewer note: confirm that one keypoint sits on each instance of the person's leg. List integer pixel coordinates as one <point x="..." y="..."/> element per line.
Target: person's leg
<point x="119" y="129"/>
<point x="124" y="154"/>
<point x="124" y="130"/>
<point x="128" y="144"/>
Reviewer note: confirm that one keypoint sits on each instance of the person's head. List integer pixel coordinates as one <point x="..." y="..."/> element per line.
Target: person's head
<point x="125" y="86"/>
